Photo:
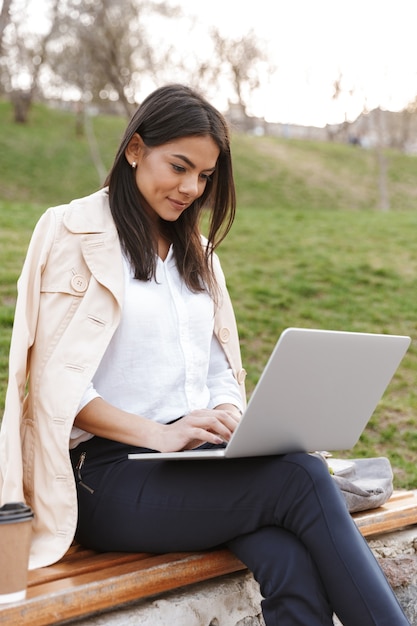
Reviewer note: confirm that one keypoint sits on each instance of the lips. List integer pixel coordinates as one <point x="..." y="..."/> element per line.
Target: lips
<point x="177" y="204"/>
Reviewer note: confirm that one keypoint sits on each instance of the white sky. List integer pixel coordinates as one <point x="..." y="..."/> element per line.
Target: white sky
<point x="371" y="43"/>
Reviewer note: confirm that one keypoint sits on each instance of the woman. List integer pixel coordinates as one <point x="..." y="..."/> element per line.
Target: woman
<point x="125" y="338"/>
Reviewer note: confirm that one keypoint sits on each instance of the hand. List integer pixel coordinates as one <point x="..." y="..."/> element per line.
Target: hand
<point x="203" y="425"/>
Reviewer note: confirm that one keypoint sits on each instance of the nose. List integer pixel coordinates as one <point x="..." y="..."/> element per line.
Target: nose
<point x="189" y="185"/>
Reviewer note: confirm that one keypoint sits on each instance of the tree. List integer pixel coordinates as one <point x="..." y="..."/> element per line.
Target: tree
<point x="104" y="49"/>
<point x="408" y="125"/>
<point x="4" y="20"/>
<point x="382" y="164"/>
<point x="25" y="55"/>
<point x="341" y="96"/>
<point x="92" y="51"/>
<point x="240" y="61"/>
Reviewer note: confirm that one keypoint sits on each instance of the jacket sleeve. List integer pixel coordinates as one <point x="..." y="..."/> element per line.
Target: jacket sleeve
<point x="23" y="336"/>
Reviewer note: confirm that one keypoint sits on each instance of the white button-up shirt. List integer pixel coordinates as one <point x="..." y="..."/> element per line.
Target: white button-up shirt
<point x="163" y="360"/>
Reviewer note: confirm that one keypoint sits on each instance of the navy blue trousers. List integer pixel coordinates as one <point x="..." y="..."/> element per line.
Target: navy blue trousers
<point x="283" y="516"/>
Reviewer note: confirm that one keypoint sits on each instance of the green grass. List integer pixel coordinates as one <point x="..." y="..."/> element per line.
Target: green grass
<point x="338" y="270"/>
<point x="308" y="248"/>
<point x="46" y="162"/>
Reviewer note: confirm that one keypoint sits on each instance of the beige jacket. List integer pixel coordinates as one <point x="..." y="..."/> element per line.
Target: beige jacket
<point x="70" y="295"/>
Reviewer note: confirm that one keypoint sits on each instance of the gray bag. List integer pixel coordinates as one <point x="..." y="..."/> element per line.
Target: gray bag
<point x="368" y="484"/>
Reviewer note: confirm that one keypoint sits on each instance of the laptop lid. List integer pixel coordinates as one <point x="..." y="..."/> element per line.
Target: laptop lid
<point x="317" y="392"/>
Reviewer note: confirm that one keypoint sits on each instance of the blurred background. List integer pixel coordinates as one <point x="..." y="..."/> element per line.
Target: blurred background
<point x="321" y="97"/>
<point x="322" y="69"/>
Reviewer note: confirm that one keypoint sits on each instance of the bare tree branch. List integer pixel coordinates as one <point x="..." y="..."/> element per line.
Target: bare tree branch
<point x="104" y="48"/>
<point x="241" y="59"/>
<point x="4" y="20"/>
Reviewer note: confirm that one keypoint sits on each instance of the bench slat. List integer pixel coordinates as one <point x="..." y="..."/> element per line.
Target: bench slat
<point x="86" y="561"/>
<point x="399" y="511"/>
<point x="81" y="595"/>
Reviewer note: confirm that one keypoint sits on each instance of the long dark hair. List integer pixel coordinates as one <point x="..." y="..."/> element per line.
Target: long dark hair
<point x="169" y="113"/>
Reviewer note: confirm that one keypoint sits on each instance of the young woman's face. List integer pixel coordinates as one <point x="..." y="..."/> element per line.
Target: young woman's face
<point x="171" y="176"/>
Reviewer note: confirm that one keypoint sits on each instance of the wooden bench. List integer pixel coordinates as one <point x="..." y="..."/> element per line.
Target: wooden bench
<point x="85" y="582"/>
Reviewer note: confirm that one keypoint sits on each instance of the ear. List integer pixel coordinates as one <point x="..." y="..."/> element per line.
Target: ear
<point x="135" y="149"/>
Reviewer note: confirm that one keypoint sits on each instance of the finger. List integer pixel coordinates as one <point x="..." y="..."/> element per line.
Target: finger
<point x="217" y="422"/>
<point x="229" y="419"/>
<point x="208" y="436"/>
<point x="200" y="433"/>
<point x="223" y="430"/>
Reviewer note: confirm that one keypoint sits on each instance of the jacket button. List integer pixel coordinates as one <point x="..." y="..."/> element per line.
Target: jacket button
<point x="241" y="375"/>
<point x="224" y="334"/>
<point x="79" y="283"/>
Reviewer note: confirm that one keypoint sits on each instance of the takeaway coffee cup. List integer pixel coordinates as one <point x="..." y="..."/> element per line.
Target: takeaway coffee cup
<point x="15" y="534"/>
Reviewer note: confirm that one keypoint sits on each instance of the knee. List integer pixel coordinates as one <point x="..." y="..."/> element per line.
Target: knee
<point x="313" y="465"/>
<point x="315" y="472"/>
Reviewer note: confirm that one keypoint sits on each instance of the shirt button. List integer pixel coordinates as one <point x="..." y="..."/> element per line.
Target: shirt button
<point x="224" y="335"/>
<point x="79" y="283"/>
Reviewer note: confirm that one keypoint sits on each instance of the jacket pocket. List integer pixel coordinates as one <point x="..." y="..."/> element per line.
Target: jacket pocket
<point x="72" y="282"/>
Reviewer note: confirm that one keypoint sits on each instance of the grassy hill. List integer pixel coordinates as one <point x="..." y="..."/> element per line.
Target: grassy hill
<point x="45" y="162"/>
<point x="309" y="246"/>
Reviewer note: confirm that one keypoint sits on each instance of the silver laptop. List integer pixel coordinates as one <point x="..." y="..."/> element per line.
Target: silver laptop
<point x="317" y="392"/>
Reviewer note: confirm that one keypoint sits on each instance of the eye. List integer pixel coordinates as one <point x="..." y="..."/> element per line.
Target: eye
<point x="206" y="177"/>
<point x="178" y="168"/>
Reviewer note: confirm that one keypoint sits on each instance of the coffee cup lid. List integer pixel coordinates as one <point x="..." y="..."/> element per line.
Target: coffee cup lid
<point x="15" y="512"/>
